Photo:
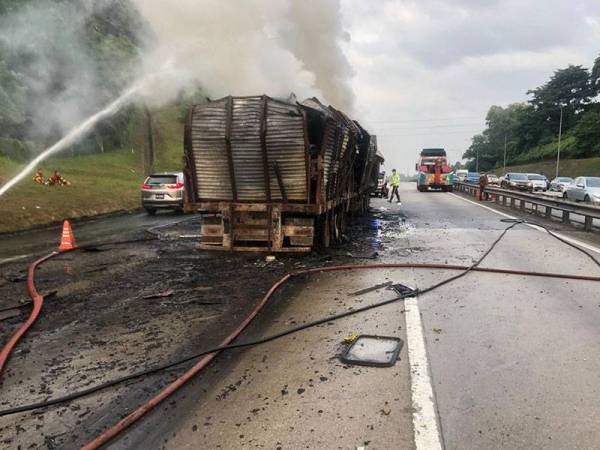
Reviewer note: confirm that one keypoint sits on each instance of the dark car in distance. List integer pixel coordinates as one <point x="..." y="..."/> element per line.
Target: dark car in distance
<point x="514" y="180"/>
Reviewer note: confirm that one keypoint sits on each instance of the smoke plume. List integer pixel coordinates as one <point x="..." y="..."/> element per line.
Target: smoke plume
<point x="250" y="47"/>
<point x="245" y="47"/>
<point x="59" y="64"/>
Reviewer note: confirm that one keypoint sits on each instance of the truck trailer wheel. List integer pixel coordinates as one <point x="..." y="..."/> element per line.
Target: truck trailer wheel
<point x="324" y="230"/>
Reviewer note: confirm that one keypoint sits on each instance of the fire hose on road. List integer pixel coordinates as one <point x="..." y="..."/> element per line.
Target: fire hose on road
<point x="227" y="344"/>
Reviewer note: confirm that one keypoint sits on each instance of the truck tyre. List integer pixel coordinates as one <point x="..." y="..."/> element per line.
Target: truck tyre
<point x="150" y="211"/>
<point x="324" y="230"/>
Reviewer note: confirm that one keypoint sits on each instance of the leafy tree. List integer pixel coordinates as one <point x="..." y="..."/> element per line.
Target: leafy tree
<point x="595" y="78"/>
<point x="569" y="89"/>
<point x="502" y="127"/>
<point x="587" y="133"/>
<point x="531" y="129"/>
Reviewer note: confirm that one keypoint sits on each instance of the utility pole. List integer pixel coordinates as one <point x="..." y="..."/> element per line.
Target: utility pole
<point x="559" y="136"/>
<point x="504" y="171"/>
<point x="477" y="161"/>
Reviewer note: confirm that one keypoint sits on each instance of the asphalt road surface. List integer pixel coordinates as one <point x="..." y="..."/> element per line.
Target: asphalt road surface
<point x="488" y="361"/>
<point x="513" y="360"/>
<point x="14" y="246"/>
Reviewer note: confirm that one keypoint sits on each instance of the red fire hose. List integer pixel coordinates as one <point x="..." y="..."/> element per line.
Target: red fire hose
<point x="205" y="360"/>
<point x="145" y="408"/>
<point x="38" y="301"/>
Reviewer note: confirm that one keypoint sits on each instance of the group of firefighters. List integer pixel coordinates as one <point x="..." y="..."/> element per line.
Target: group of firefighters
<point x="54" y="180"/>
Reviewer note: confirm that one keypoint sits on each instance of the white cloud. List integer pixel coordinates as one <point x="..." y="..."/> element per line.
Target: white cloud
<point x="427" y="71"/>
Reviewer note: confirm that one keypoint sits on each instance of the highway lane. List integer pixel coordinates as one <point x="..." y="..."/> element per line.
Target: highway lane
<point x="513" y="359"/>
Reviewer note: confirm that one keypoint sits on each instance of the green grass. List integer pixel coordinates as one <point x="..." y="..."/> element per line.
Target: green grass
<point x="568" y="168"/>
<point x="101" y="183"/>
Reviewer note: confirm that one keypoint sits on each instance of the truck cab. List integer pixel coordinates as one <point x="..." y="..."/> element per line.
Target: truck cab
<point x="434" y="171"/>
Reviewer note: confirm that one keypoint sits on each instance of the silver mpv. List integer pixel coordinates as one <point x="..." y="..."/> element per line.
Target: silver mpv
<point x="584" y="189"/>
<point x="163" y="191"/>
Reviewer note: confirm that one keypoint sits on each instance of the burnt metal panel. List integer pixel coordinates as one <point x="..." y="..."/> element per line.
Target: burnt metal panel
<point x="286" y="147"/>
<point x="236" y="143"/>
<point x="208" y="151"/>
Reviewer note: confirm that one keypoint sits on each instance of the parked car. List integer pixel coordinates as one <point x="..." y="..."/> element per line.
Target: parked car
<point x="583" y="189"/>
<point x="472" y="177"/>
<point x="493" y="180"/>
<point x="537" y="182"/>
<point x="163" y="191"/>
<point x="514" y="180"/>
<point x="560" y="183"/>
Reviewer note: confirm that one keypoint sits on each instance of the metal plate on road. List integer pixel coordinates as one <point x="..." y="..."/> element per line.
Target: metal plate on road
<point x="376" y="351"/>
<point x="402" y="290"/>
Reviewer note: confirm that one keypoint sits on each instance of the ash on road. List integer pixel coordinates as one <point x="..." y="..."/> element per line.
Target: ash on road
<point x="512" y="359"/>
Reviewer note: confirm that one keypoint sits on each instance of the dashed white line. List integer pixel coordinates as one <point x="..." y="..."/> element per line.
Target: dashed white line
<point x="560" y="235"/>
<point x="425" y="424"/>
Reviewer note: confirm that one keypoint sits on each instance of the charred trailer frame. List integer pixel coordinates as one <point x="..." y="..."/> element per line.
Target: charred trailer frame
<point x="367" y="167"/>
<point x="269" y="175"/>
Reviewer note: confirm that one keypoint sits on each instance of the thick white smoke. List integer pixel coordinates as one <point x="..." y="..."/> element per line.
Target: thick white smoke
<point x="58" y="71"/>
<point x="250" y="47"/>
<point x="245" y="47"/>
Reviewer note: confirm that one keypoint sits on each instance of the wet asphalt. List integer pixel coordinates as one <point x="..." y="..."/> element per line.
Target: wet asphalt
<point x="513" y="359"/>
<point x="21" y="245"/>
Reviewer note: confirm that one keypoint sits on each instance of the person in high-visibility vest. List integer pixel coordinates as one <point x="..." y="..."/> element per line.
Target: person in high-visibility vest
<point x="395" y="183"/>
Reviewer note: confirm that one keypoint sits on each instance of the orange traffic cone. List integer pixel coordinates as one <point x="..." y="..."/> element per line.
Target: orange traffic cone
<point x="67" y="240"/>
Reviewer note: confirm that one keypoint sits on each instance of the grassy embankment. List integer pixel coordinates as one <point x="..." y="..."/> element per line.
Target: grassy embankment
<point x="101" y="183"/>
<point x="568" y="168"/>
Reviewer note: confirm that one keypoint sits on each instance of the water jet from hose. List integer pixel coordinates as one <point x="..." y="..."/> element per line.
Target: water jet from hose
<point x="80" y="131"/>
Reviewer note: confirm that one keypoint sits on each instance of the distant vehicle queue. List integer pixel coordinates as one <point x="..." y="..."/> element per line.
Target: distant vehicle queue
<point x="580" y="189"/>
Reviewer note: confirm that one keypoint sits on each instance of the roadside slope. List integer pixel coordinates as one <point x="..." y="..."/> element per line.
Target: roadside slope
<point x="101" y="183"/>
<point x="568" y="168"/>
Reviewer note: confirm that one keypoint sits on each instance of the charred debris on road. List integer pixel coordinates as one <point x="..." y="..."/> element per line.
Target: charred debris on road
<point x="277" y="176"/>
<point x="106" y="320"/>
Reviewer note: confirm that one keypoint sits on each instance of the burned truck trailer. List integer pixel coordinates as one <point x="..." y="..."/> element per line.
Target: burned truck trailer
<point x="270" y="175"/>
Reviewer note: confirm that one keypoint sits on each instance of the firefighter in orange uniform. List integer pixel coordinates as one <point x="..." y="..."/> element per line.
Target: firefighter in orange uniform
<point x="39" y="177"/>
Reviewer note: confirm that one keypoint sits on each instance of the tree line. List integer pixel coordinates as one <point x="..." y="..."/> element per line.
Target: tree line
<point x="528" y="131"/>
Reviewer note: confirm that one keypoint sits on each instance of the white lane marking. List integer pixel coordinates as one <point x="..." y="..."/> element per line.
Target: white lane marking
<point x="426" y="433"/>
<point x="560" y="235"/>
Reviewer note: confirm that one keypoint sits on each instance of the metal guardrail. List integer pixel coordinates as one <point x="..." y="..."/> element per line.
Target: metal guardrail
<point x="520" y="200"/>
